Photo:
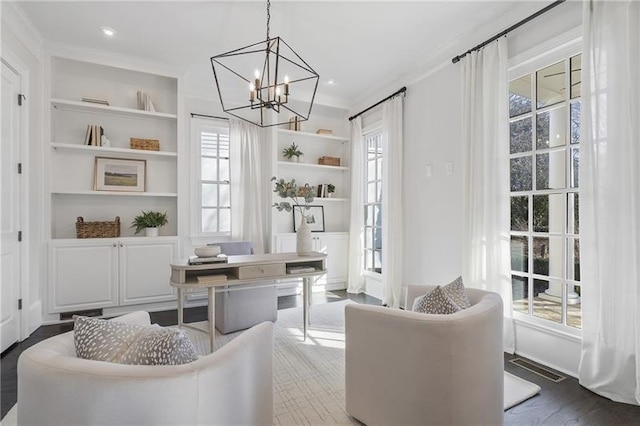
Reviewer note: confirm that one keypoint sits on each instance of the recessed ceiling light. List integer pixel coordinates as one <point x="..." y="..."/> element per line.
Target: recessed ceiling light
<point x="108" y="31"/>
<point x="331" y="81"/>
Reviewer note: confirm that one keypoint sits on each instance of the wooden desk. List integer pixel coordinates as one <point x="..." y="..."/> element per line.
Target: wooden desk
<point x="243" y="272"/>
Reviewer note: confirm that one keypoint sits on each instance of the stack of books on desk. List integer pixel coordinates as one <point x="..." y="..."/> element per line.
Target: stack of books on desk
<point x="195" y="260"/>
<point x="211" y="279"/>
<point x="300" y="269"/>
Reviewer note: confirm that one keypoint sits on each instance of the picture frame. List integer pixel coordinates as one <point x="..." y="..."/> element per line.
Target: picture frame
<point x="119" y="174"/>
<point x="315" y="218"/>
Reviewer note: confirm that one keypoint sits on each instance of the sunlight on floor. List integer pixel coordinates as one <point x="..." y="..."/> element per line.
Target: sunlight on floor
<point x="324" y="338"/>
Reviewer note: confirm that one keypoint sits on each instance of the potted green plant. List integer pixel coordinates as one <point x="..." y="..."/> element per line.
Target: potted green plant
<point x="331" y="188"/>
<point x="292" y="151"/>
<point x="150" y="221"/>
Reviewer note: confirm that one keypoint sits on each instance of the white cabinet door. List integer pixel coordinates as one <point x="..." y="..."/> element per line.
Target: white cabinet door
<point x="145" y="270"/>
<point x="336" y="246"/>
<point x="82" y="275"/>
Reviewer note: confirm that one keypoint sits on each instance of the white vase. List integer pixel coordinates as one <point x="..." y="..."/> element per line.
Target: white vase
<point x="151" y="232"/>
<point x="300" y="158"/>
<point x="303" y="238"/>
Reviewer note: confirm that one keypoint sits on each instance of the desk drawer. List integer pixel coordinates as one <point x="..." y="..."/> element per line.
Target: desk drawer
<point x="261" y="271"/>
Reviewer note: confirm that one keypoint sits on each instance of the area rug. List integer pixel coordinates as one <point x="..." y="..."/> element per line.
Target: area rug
<point x="308" y="377"/>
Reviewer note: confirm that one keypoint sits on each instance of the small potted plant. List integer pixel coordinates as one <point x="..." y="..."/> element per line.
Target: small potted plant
<point x="331" y="188"/>
<point x="149" y="221"/>
<point x="292" y="151"/>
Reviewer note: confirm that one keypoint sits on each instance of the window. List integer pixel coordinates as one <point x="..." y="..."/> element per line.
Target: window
<point x="373" y="203"/>
<point x="544" y="120"/>
<point x="213" y="197"/>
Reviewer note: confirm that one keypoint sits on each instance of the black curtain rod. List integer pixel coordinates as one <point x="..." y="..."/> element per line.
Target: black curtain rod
<point x="402" y="90"/>
<point x="194" y="114"/>
<point x="508" y="30"/>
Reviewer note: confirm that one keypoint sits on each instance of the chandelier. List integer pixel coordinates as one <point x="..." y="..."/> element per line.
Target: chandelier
<point x="266" y="83"/>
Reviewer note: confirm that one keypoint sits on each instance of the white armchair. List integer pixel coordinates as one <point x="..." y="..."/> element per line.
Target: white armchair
<point x="409" y="368"/>
<point x="233" y="385"/>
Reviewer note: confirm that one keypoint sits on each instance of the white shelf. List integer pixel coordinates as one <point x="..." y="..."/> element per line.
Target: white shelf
<point x="311" y="166"/>
<point x="103" y="149"/>
<point x="88" y="106"/>
<point x="117" y="193"/>
<point x="314" y="135"/>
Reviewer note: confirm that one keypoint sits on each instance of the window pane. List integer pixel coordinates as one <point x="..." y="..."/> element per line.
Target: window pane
<point x="575" y="167"/>
<point x="377" y="211"/>
<point x="550" y="85"/>
<point x="377" y="261"/>
<point x="575" y="122"/>
<point x="224" y="169"/>
<point x="574" y="306"/>
<point x="368" y="260"/>
<point x="225" y="220"/>
<point x="379" y="169"/>
<point x="520" y="213"/>
<point x="550" y="170"/>
<point x="520" y="96"/>
<point x="521" y="171"/>
<point x="371" y="192"/>
<point x="371" y="170"/>
<point x="209" y="144"/>
<point x="573" y="259"/>
<point x="209" y="220"/>
<point x="368" y="238"/>
<point x="572" y="213"/>
<point x="225" y="195"/>
<point x="209" y="195"/>
<point x="548" y="213"/>
<point x="576" y="76"/>
<point x="521" y="135"/>
<point x="547" y="303"/>
<point x="551" y="128"/>
<point x="224" y="146"/>
<point x="520" y="253"/>
<point x="209" y="168"/>
<point x="520" y="291"/>
<point x="368" y="215"/>
<point x="548" y="256"/>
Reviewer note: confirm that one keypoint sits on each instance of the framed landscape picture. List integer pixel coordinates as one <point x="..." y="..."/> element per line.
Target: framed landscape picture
<point x="118" y="174"/>
<point x="315" y="218"/>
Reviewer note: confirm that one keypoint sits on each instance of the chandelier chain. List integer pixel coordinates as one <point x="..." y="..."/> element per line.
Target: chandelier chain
<point x="268" y="17"/>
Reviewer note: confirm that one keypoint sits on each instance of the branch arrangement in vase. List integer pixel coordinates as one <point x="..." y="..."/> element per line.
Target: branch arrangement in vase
<point x="291" y="190"/>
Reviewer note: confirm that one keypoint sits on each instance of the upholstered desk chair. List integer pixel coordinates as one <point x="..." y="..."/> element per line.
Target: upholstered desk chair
<point x="409" y="368"/>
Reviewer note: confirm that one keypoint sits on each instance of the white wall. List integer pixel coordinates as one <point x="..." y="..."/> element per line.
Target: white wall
<point x="19" y="42"/>
<point x="433" y="205"/>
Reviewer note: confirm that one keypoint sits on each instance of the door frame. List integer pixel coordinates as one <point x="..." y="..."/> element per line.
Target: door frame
<point x="14" y="62"/>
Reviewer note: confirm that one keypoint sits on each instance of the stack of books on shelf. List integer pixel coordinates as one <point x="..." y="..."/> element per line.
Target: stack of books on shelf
<point x="96" y="101"/>
<point x="94" y="135"/>
<point x="195" y="260"/>
<point x="144" y="102"/>
<point x="211" y="279"/>
<point x="300" y="269"/>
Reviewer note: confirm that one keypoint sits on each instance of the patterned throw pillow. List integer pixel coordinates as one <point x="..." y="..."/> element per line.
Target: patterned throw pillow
<point x="436" y="302"/>
<point x="102" y="340"/>
<point x="456" y="291"/>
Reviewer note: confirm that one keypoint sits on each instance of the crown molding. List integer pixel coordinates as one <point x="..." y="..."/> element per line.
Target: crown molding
<point x="16" y="20"/>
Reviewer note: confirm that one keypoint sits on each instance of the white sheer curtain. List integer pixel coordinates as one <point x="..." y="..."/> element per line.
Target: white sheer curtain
<point x="485" y="138"/>
<point x="610" y="200"/>
<point x="356" y="228"/>
<point x="392" y="142"/>
<point x="249" y="218"/>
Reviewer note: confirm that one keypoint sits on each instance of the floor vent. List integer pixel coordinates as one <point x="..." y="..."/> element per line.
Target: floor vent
<point x="538" y="369"/>
<point x="89" y="313"/>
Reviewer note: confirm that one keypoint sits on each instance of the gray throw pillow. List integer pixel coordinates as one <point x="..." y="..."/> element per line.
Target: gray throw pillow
<point x="102" y="340"/>
<point x="436" y="302"/>
<point x="456" y="291"/>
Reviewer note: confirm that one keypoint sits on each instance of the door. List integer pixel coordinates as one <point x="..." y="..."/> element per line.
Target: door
<point x="10" y="206"/>
<point x="145" y="270"/>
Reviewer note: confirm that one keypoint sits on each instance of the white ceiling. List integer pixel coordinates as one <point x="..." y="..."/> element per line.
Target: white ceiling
<point x="365" y="46"/>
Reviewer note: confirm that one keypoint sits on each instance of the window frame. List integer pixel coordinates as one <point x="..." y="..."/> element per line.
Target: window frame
<point x="198" y="126"/>
<point x="528" y="66"/>
<point x="368" y="133"/>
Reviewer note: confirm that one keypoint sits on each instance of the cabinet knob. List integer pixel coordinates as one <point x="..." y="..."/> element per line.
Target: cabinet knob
<point x="121" y="245"/>
<point x="115" y="245"/>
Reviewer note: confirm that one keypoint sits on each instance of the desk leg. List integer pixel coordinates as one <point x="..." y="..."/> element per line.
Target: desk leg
<point x="212" y="317"/>
<point x="180" y="307"/>
<point x="306" y="293"/>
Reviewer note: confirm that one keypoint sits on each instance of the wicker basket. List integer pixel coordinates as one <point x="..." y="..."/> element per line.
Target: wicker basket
<point x="329" y="161"/>
<point x="145" y="144"/>
<point x="97" y="229"/>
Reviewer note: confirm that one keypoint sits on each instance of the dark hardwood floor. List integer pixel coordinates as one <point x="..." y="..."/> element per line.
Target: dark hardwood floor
<point x="563" y="403"/>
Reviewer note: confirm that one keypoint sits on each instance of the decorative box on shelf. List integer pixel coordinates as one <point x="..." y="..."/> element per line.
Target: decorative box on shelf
<point x="97" y="229"/>
<point x="329" y="161"/>
<point x="324" y="132"/>
<point x="145" y="144"/>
